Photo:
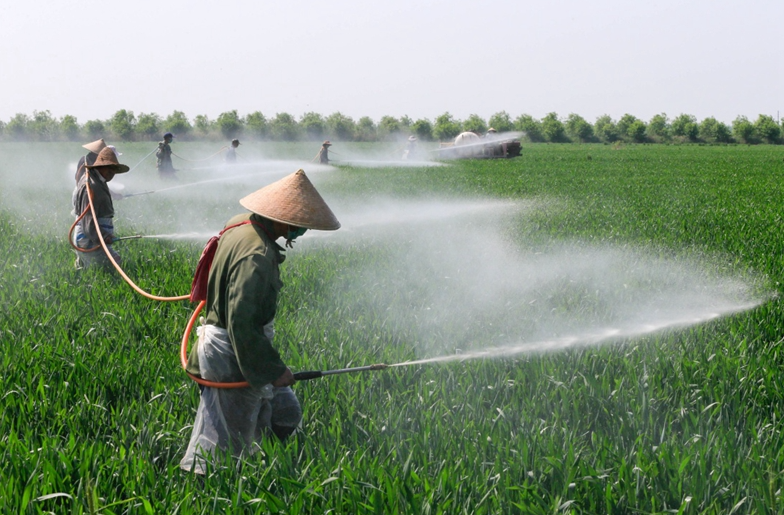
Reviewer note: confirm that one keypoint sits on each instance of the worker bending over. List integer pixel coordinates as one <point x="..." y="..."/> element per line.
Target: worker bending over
<point x="236" y="342"/>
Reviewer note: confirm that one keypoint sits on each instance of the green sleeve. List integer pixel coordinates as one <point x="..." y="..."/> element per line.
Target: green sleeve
<point x="252" y="300"/>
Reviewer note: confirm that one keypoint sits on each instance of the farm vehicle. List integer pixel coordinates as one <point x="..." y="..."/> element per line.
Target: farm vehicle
<point x="468" y="145"/>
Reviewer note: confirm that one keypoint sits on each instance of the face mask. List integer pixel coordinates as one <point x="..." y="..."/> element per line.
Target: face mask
<point x="295" y="233"/>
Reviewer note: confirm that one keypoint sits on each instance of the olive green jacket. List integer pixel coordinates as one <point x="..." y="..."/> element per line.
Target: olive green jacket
<point x="242" y="297"/>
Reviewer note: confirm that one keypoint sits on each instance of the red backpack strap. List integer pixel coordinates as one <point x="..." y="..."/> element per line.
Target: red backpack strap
<point x="202" y="274"/>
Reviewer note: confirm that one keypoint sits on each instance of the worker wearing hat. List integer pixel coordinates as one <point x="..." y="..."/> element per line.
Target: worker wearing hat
<point x="88" y="159"/>
<point x="85" y="235"/>
<point x="323" y="155"/>
<point x="411" y="150"/>
<point x="236" y="342"/>
<point x="231" y="152"/>
<point x="497" y="150"/>
<point x="165" y="167"/>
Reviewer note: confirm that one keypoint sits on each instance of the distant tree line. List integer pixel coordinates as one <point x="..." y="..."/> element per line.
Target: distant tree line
<point x="126" y="126"/>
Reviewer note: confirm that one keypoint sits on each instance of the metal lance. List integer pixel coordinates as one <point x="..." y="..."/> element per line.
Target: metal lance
<point x="315" y="374"/>
<point x="137" y="194"/>
<point x="134" y="237"/>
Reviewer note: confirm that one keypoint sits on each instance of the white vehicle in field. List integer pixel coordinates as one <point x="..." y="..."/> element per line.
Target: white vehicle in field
<point x="469" y="145"/>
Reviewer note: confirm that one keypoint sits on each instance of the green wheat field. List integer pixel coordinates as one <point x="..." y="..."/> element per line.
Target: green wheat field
<point x="95" y="411"/>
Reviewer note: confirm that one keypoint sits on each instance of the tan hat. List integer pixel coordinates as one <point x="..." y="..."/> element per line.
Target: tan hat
<point x="96" y="146"/>
<point x="292" y="200"/>
<point x="491" y="130"/>
<point x="326" y="144"/>
<point x="108" y="158"/>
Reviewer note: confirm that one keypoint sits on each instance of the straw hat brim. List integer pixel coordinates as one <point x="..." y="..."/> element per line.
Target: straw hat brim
<point x="292" y="200"/>
<point x="96" y="146"/>
<point x="108" y="159"/>
<point x="118" y="168"/>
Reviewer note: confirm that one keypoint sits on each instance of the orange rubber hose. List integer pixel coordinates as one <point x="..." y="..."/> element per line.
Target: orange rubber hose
<point x="184" y="355"/>
<point x="111" y="258"/>
<point x="70" y="233"/>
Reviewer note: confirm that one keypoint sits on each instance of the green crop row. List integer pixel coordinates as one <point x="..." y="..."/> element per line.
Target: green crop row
<point x="95" y="412"/>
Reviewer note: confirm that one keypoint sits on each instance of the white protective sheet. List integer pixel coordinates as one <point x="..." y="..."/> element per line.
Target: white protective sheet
<point x="234" y="419"/>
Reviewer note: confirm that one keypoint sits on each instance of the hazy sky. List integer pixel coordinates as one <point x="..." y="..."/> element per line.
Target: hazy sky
<point x="420" y="58"/>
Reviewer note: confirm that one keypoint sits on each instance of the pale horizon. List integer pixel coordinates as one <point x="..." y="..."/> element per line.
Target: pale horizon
<point x="89" y="59"/>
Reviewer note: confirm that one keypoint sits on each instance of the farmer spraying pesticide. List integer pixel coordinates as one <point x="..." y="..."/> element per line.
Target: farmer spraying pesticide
<point x="231" y="152"/>
<point x="323" y="155"/>
<point x="236" y="342"/>
<point x="94" y="181"/>
<point x="163" y="154"/>
<point x="411" y="151"/>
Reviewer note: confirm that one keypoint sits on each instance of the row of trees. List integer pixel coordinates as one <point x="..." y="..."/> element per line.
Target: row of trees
<point x="125" y="126"/>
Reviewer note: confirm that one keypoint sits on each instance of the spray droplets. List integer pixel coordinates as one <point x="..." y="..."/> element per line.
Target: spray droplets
<point x="446" y="276"/>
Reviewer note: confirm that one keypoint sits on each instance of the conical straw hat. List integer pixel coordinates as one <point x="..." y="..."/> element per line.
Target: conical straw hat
<point x="292" y="200"/>
<point x="108" y="158"/>
<point x="96" y="146"/>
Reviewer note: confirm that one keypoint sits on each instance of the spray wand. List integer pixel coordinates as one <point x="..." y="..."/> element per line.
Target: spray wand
<point x="134" y="237"/>
<point x="137" y="194"/>
<point x="315" y="374"/>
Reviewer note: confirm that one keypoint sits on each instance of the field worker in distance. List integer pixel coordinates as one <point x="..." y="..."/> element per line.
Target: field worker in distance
<point x="231" y="153"/>
<point x="236" y="341"/>
<point x="491" y="133"/>
<point x="165" y="167"/>
<point x="85" y="233"/>
<point x="92" y="154"/>
<point x="323" y="155"/>
<point x="411" y="148"/>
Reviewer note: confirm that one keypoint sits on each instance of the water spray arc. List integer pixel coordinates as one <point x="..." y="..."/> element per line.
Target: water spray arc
<point x="224" y="147"/>
<point x="189" y="184"/>
<point x="180" y="157"/>
<point x="594" y="336"/>
<point x="143" y="159"/>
